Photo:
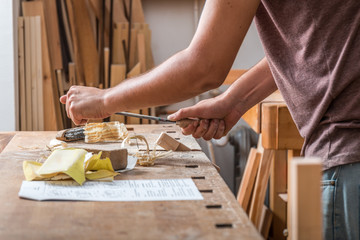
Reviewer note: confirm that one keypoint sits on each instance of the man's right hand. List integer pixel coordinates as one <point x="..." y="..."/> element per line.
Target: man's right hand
<point x="216" y="118"/>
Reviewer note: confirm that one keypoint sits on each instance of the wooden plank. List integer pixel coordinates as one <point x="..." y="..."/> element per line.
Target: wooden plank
<point x="118" y="73"/>
<point x="137" y="15"/>
<point x="28" y="73"/>
<point x="141" y="51"/>
<point x="248" y="180"/>
<point x="120" y="38"/>
<point x="52" y="29"/>
<point x="265" y="222"/>
<point x="72" y="74"/>
<point x="21" y="62"/>
<point x="305" y="212"/>
<point x="87" y="56"/>
<point x="119" y="11"/>
<point x="34" y="75"/>
<point x="278" y="184"/>
<point x="39" y="75"/>
<point x="106" y="67"/>
<point x="66" y="24"/>
<point x="51" y="105"/>
<point x="260" y="187"/>
<point x="133" y="55"/>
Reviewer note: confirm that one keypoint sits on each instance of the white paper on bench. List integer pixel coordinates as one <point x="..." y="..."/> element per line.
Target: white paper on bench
<point x="119" y="190"/>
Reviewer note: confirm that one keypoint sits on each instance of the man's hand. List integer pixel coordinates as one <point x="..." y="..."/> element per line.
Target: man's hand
<point x="83" y="103"/>
<point x="217" y="118"/>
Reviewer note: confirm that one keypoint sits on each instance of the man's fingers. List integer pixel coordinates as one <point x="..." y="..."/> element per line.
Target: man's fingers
<point x="213" y="126"/>
<point x="190" y="128"/>
<point x="201" y="129"/>
<point x="220" y="130"/>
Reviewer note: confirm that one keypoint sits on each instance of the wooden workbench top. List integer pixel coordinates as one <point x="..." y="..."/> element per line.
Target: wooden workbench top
<point x="218" y="216"/>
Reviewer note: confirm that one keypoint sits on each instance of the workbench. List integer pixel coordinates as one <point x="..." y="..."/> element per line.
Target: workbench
<point x="218" y="216"/>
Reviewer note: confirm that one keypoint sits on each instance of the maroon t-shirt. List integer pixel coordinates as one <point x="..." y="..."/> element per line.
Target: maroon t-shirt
<point x="313" y="49"/>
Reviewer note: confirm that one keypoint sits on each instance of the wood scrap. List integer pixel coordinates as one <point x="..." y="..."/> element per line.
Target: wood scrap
<point x="169" y="143"/>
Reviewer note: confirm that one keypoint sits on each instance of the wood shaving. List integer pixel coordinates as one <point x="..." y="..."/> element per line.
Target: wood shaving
<point x="105" y="132"/>
<point x="148" y="157"/>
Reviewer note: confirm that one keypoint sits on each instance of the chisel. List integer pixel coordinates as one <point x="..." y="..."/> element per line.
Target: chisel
<point x="182" y="123"/>
<point x="74" y="134"/>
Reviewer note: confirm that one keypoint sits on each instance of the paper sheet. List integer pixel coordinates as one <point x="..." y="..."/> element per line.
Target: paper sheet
<point x="119" y="190"/>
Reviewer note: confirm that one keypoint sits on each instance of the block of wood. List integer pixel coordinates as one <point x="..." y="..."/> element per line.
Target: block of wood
<point x="118" y="156"/>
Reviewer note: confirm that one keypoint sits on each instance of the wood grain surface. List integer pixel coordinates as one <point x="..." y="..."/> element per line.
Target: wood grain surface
<point x="218" y="216"/>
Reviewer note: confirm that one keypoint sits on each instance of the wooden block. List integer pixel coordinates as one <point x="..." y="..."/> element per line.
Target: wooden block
<point x="265" y="222"/>
<point x="288" y="134"/>
<point x="21" y="62"/>
<point x="248" y="180"/>
<point x="304" y="205"/>
<point x="28" y="73"/>
<point x="118" y="156"/>
<point x="260" y="187"/>
<point x="168" y="143"/>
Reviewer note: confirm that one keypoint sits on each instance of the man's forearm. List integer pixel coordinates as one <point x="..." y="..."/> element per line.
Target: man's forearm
<point x="252" y="87"/>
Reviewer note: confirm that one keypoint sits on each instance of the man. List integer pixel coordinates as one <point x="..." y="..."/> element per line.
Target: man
<point x="312" y="54"/>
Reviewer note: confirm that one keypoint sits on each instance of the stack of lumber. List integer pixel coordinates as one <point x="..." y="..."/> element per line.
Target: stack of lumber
<point x="61" y="43"/>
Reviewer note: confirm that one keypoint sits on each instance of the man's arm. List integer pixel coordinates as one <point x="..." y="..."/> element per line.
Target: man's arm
<point x="202" y="66"/>
<point x="220" y="114"/>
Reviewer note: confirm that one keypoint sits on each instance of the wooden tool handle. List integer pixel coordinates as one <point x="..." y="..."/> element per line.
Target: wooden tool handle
<point x="183" y="123"/>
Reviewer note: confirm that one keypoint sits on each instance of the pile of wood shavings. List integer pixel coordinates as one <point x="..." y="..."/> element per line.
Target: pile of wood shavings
<point x="148" y="157"/>
<point x="105" y="132"/>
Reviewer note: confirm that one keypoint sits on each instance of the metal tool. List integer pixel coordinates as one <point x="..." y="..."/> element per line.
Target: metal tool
<point x="182" y="123"/>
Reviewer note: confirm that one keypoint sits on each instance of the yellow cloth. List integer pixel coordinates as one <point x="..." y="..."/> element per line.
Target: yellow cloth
<point x="69" y="162"/>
